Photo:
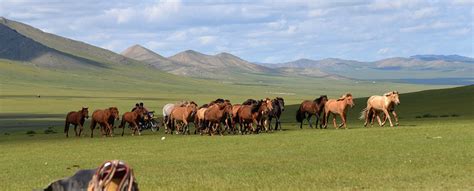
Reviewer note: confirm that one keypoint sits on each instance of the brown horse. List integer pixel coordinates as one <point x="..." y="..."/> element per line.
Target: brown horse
<point x="76" y="118"/>
<point x="250" y="114"/>
<point x="338" y="106"/>
<point x="184" y="114"/>
<point x="217" y="113"/>
<point x="377" y="104"/>
<point x="199" y="120"/>
<point x="102" y="117"/>
<point x="311" y="108"/>
<point x="263" y="114"/>
<point x="132" y="118"/>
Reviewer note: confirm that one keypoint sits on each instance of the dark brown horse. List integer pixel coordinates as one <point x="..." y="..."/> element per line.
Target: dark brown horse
<point x="217" y="113"/>
<point x="76" y="118"/>
<point x="278" y="105"/>
<point x="132" y="118"/>
<point x="184" y="114"/>
<point x="250" y="114"/>
<point x="311" y="108"/>
<point x="102" y="117"/>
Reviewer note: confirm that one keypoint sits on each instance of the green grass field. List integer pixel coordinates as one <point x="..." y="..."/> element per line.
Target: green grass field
<point x="429" y="152"/>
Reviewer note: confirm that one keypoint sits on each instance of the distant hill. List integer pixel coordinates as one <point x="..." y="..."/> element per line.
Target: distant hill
<point x="61" y="44"/>
<point x="15" y="46"/>
<point x="196" y="64"/>
<point x="418" y="66"/>
<point x="447" y="58"/>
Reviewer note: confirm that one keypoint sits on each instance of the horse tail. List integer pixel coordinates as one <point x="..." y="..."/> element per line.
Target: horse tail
<point x="300" y="115"/>
<point x="363" y="113"/>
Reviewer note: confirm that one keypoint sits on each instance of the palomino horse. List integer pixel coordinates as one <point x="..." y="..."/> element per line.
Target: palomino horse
<point x="199" y="120"/>
<point x="338" y="106"/>
<point x="311" y="108"/>
<point x="183" y="114"/>
<point x="250" y="114"/>
<point x="102" y="117"/>
<point x="132" y="118"/>
<point x="76" y="118"/>
<point x="377" y="104"/>
<point x="217" y="113"/>
<point x="278" y="105"/>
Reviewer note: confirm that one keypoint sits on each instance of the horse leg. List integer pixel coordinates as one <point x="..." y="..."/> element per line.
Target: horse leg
<point x="93" y="124"/>
<point x="396" y="117"/>
<point x="326" y="119"/>
<point x="66" y="129"/>
<point x="334" y="121"/>
<point x="388" y="116"/>
<point x="343" y="118"/>
<point x="378" y="120"/>
<point x="110" y="129"/>
<point x="317" y="120"/>
<point x="75" y="129"/>
<point x="136" y="128"/>
<point x="309" y="120"/>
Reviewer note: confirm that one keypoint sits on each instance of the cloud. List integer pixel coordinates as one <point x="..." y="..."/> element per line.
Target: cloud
<point x="264" y="30"/>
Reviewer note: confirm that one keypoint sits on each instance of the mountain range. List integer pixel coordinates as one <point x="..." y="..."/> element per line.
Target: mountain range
<point x="24" y="43"/>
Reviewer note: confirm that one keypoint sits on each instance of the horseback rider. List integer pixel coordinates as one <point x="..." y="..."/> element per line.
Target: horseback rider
<point x="136" y="107"/>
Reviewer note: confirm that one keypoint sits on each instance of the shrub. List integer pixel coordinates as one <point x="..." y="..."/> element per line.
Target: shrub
<point x="50" y="130"/>
<point x="455" y="115"/>
<point x="428" y="115"/>
<point x="30" y="132"/>
<point x="444" y="116"/>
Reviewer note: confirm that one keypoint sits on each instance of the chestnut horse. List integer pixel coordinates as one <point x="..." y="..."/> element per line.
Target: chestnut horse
<point x="167" y="109"/>
<point x="217" y="113"/>
<point x="250" y="114"/>
<point x="183" y="114"/>
<point x="76" y="118"/>
<point x="132" y="118"/>
<point x="338" y="106"/>
<point x="377" y="104"/>
<point x="103" y="118"/>
<point x="311" y="108"/>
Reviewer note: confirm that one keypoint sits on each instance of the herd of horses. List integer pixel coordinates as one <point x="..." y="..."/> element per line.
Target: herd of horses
<point x="252" y="116"/>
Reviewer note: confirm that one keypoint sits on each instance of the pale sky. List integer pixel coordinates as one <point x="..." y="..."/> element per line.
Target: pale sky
<point x="260" y="31"/>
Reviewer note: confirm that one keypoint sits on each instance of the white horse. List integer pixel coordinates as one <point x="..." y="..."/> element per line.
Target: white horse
<point x="377" y="104"/>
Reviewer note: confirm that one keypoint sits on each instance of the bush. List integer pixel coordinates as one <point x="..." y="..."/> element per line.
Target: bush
<point x="444" y="116"/>
<point x="429" y="116"/>
<point x="455" y="115"/>
<point x="6" y="133"/>
<point x="50" y="130"/>
<point x="30" y="132"/>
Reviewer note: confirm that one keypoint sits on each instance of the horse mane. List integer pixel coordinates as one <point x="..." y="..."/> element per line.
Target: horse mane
<point x="249" y="102"/>
<point x="255" y="107"/>
<point x="318" y="100"/>
<point x="344" y="96"/>
<point x="204" y="106"/>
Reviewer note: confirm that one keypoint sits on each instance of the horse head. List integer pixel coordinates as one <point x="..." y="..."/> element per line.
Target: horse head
<point x="281" y="101"/>
<point x="348" y="99"/>
<point x="266" y="106"/>
<point x="114" y="112"/>
<point x="321" y="100"/>
<point x="393" y="96"/>
<point x="85" y="112"/>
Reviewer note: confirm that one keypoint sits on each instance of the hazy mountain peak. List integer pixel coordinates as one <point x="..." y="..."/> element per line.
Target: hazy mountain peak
<point x="138" y="50"/>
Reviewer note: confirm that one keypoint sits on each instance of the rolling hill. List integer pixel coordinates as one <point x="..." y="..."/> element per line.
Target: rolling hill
<point x="196" y="64"/>
<point x="418" y="66"/>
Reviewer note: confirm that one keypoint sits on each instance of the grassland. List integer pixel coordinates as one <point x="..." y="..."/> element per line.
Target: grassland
<point x="423" y="153"/>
